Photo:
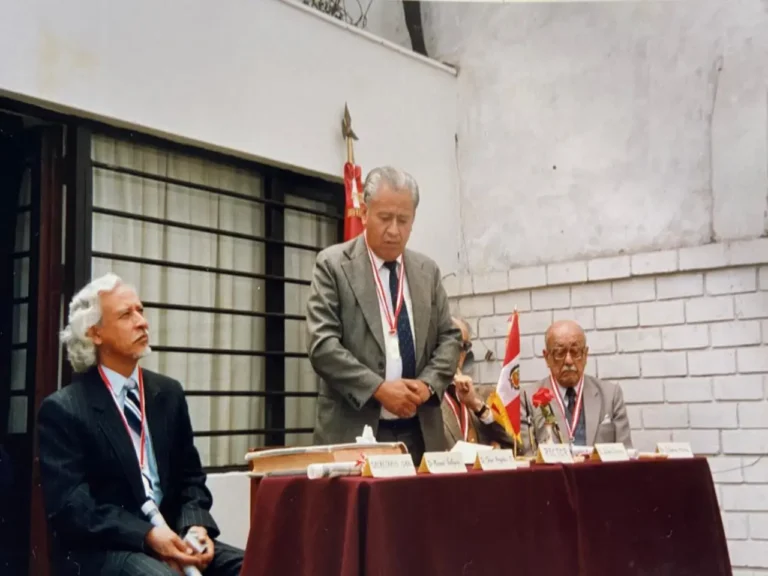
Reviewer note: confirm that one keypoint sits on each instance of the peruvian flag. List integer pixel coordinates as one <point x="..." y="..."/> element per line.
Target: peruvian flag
<point x="353" y="187"/>
<point x="505" y="401"/>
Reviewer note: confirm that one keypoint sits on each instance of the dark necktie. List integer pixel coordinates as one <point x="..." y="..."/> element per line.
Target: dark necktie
<point x="404" y="334"/>
<point x="580" y="434"/>
<point x="132" y="411"/>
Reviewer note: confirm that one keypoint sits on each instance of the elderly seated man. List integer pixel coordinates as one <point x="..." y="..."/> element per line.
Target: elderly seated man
<point x="117" y="439"/>
<point x="588" y="411"/>
<point x="466" y="416"/>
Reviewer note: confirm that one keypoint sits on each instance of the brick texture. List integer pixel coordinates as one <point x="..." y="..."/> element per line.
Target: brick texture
<point x="685" y="333"/>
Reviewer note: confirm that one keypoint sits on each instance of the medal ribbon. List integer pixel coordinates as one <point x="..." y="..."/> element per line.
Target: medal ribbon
<point x="463" y="422"/>
<point x="122" y="415"/>
<point x="576" y="412"/>
<point x="397" y="306"/>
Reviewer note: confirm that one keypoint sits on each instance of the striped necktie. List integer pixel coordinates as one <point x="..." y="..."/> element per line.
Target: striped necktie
<point x="132" y="411"/>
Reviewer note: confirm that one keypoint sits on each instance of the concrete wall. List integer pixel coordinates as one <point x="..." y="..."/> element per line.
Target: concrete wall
<point x="597" y="128"/>
<point x="685" y="334"/>
<point x="263" y="79"/>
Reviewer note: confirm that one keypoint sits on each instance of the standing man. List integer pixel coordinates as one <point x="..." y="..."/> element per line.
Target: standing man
<point x="113" y="440"/>
<point x="380" y="331"/>
<point x="588" y="410"/>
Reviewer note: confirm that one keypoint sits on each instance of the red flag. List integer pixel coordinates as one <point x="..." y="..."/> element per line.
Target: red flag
<point x="505" y="400"/>
<point x="353" y="187"/>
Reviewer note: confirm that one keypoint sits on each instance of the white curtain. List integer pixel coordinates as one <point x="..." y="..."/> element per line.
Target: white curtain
<point x="17" y="423"/>
<point x="312" y="230"/>
<point x="160" y="284"/>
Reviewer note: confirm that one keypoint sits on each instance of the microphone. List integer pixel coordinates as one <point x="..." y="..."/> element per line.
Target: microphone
<point x="152" y="512"/>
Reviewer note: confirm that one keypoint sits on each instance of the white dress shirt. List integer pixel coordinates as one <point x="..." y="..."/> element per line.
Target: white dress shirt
<point x="393" y="367"/>
<point x="117" y="382"/>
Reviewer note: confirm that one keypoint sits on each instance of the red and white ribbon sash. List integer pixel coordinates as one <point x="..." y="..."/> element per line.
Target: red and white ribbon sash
<point x="122" y="414"/>
<point x="460" y="412"/>
<point x="570" y="425"/>
<point x="397" y="306"/>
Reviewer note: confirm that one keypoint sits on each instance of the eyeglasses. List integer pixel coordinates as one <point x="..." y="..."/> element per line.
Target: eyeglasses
<point x="561" y="354"/>
<point x="466" y="345"/>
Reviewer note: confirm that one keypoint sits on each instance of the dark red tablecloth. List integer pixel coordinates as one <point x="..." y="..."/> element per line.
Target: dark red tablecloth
<point x="655" y="518"/>
<point x="638" y="518"/>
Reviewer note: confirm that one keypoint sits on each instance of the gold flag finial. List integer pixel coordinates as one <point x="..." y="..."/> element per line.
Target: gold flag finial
<point x="348" y="133"/>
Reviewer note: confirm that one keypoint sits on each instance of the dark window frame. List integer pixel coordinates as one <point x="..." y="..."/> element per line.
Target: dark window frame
<point x="278" y="183"/>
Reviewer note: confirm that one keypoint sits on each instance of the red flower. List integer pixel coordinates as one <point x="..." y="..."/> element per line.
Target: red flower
<point x="542" y="397"/>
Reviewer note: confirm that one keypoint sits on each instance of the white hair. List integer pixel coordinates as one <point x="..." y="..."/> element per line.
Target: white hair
<point x="398" y="180"/>
<point x="84" y="313"/>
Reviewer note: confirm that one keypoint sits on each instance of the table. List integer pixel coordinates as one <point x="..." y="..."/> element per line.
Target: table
<point x="590" y="519"/>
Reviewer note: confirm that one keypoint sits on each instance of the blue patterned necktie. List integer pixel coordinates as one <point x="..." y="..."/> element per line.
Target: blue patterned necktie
<point x="132" y="412"/>
<point x="580" y="434"/>
<point x="404" y="334"/>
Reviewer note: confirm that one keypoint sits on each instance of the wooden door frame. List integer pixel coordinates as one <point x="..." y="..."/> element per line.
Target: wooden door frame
<point x="48" y="183"/>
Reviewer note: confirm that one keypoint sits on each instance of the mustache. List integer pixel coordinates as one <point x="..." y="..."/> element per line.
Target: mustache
<point x="144" y="334"/>
<point x="569" y="369"/>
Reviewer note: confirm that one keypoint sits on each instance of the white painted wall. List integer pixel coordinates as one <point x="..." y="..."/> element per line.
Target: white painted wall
<point x="231" y="506"/>
<point x="593" y="129"/>
<point x="263" y="79"/>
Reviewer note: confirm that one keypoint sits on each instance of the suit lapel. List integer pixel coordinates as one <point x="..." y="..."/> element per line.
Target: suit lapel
<point x="592" y="409"/>
<point x="449" y="419"/>
<point x="112" y="425"/>
<point x="360" y="277"/>
<point x="421" y="292"/>
<point x="156" y="423"/>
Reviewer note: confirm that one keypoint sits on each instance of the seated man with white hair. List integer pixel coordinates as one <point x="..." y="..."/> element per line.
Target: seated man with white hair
<point x="117" y="439"/>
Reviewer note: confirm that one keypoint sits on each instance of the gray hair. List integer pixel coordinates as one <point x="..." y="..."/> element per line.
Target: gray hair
<point x="84" y="313"/>
<point x="398" y="180"/>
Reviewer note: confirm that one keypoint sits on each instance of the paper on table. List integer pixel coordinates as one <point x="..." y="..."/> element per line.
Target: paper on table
<point x="469" y="451"/>
<point x="367" y="437"/>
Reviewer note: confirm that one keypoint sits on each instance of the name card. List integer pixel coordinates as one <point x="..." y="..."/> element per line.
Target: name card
<point x="495" y="460"/>
<point x="442" y="463"/>
<point x="674" y="449"/>
<point x="613" y="452"/>
<point x="554" y="454"/>
<point x="388" y="466"/>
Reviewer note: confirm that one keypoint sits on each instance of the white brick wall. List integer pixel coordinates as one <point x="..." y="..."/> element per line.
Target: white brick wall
<point x="685" y="333"/>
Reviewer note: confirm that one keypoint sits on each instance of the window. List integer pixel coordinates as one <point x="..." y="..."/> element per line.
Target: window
<point x="21" y="384"/>
<point x="221" y="254"/>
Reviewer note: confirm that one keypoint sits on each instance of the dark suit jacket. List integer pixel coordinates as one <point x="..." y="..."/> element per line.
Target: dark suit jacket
<point x="90" y="473"/>
<point x="346" y="342"/>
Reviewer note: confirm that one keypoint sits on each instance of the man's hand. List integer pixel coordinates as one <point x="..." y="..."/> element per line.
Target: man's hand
<point x="202" y="535"/>
<point x="419" y="388"/>
<point x="465" y="391"/>
<point x="397" y="397"/>
<point x="170" y="548"/>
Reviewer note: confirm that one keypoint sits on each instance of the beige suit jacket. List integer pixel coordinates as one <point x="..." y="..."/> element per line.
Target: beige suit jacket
<point x="605" y="415"/>
<point x="346" y="342"/>
<point x="486" y="433"/>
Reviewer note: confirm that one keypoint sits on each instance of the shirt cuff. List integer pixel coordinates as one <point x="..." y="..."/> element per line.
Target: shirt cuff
<point x="487" y="416"/>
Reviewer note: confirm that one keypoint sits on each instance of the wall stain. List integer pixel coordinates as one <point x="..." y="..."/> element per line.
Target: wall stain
<point x="61" y="61"/>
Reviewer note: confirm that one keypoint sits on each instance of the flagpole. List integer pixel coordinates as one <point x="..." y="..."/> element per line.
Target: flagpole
<point x="353" y="185"/>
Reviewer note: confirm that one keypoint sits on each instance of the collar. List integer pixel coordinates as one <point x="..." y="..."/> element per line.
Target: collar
<point x="564" y="389"/>
<point x="379" y="262"/>
<point x="117" y="381"/>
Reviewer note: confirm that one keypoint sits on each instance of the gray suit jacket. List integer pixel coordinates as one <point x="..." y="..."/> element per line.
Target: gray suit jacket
<point x="604" y="412"/>
<point x="346" y="342"/>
